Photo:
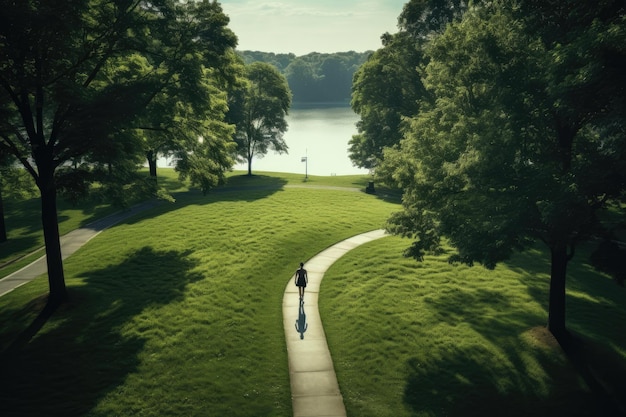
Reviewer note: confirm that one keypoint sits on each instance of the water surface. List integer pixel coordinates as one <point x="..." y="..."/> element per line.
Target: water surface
<point x="321" y="134"/>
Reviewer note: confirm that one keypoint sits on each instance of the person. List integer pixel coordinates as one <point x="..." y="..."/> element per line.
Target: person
<point x="301" y="280"/>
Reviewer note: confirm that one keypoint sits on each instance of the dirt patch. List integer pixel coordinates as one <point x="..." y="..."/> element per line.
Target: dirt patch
<point x="541" y="337"/>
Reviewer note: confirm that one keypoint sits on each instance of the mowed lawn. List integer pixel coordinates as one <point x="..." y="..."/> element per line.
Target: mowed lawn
<point x="177" y="312"/>
<point x="433" y="339"/>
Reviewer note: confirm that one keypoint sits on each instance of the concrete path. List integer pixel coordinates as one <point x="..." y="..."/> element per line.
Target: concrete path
<point x="314" y="388"/>
<point x="69" y="244"/>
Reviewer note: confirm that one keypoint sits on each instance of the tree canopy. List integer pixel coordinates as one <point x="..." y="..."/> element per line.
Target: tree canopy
<point x="386" y="89"/>
<point x="315" y="77"/>
<point x="523" y="140"/>
<point x="389" y="87"/>
<point x="78" y="80"/>
<point x="258" y="110"/>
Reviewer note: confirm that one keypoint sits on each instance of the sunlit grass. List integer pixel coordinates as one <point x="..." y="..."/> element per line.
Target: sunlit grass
<point x="23" y="217"/>
<point x="435" y="339"/>
<point x="178" y="311"/>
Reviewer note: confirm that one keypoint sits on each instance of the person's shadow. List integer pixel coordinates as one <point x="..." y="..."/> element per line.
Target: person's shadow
<point x="301" y="324"/>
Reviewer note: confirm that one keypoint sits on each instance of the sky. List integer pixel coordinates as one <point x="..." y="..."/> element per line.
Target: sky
<point x="304" y="26"/>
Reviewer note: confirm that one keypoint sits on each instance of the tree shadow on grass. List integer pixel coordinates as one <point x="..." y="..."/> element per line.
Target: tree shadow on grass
<point x="241" y="188"/>
<point x="592" y="352"/>
<point x="389" y="195"/>
<point x="474" y="380"/>
<point x="13" y="246"/>
<point x="468" y="382"/>
<point x="241" y="185"/>
<point x="500" y="375"/>
<point x="83" y="355"/>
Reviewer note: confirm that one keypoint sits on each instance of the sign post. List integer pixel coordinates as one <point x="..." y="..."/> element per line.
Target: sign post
<point x="305" y="159"/>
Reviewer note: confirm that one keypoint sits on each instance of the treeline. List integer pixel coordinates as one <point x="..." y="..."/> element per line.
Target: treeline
<point x="315" y="77"/>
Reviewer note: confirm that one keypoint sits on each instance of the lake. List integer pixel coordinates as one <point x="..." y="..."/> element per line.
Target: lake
<point x="321" y="133"/>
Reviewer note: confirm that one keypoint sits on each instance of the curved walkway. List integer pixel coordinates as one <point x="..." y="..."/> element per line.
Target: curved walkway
<point x="314" y="387"/>
<point x="70" y="243"/>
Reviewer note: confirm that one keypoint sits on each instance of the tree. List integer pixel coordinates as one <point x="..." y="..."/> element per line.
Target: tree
<point x="172" y="125"/>
<point x="258" y="110"/>
<point x="73" y="74"/>
<point x="302" y="79"/>
<point x="524" y="142"/>
<point x="388" y="88"/>
<point x="336" y="77"/>
<point x="5" y="165"/>
<point x="385" y="89"/>
<point x="209" y="155"/>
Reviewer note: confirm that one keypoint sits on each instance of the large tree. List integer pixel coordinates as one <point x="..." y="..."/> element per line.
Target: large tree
<point x="385" y="90"/>
<point x="207" y="155"/>
<point x="74" y="73"/>
<point x="389" y="88"/>
<point x="5" y="166"/>
<point x="524" y="142"/>
<point x="258" y="110"/>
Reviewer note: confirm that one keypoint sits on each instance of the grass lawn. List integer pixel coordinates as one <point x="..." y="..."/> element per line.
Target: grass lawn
<point x="23" y="221"/>
<point x="23" y="218"/>
<point x="435" y="339"/>
<point x="178" y="311"/>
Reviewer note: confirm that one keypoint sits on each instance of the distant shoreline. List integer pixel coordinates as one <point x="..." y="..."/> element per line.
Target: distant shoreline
<point x="319" y="104"/>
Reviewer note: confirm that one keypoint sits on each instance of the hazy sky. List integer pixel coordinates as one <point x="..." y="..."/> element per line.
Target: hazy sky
<point x="303" y="26"/>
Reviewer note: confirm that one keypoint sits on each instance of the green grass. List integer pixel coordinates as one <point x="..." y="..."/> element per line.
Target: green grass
<point x="178" y="311"/>
<point x="23" y="221"/>
<point x="23" y="217"/>
<point x="435" y="339"/>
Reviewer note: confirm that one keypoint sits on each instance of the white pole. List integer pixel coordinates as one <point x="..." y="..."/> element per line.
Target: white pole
<point x="306" y="164"/>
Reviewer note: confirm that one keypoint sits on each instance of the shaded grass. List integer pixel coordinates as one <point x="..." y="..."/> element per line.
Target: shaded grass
<point x="23" y="220"/>
<point x="434" y="339"/>
<point x="178" y="310"/>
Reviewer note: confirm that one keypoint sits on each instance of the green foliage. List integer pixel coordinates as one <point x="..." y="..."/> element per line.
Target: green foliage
<point x="314" y="77"/>
<point x="82" y="82"/>
<point x="15" y="183"/>
<point x="258" y="111"/>
<point x="389" y="87"/>
<point x="489" y="162"/>
<point x="73" y="183"/>
<point x="420" y="18"/>
<point x="386" y="89"/>
<point x="206" y="164"/>
<point x="520" y="143"/>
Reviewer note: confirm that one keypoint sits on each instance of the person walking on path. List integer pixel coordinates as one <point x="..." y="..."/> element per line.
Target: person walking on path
<point x="301" y="279"/>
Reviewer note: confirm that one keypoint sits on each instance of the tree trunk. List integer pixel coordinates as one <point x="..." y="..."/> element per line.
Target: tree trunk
<point x="50" y="222"/>
<point x="152" y="163"/>
<point x="556" y="307"/>
<point x="3" y="226"/>
<point x="249" y="166"/>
